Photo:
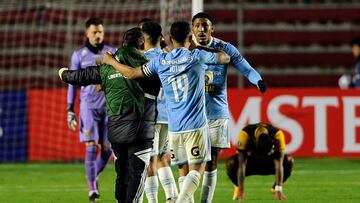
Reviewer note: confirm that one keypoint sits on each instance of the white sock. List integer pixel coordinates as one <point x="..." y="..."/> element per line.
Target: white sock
<point x="208" y="186"/>
<point x="167" y="181"/>
<point x="151" y="189"/>
<point x="141" y="198"/>
<point x="181" y="181"/>
<point x="189" y="187"/>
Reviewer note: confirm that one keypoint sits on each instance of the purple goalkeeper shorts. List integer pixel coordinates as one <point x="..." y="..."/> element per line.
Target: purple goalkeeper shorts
<point x="93" y="125"/>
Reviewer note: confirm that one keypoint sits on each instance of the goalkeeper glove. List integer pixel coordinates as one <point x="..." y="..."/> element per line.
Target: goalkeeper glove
<point x="71" y="117"/>
<point x="261" y="86"/>
<point x="61" y="71"/>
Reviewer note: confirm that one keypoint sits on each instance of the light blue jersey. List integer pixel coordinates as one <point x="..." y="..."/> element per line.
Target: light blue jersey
<point x="215" y="77"/>
<point x="160" y="101"/>
<point x="182" y="76"/>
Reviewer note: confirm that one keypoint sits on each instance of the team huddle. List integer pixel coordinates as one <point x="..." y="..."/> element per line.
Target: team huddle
<point x="163" y="104"/>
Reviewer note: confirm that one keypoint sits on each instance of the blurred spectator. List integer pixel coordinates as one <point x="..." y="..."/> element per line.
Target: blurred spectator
<point x="355" y="48"/>
<point x="347" y="80"/>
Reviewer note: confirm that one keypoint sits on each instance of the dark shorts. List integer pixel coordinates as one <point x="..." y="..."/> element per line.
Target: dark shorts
<point x="93" y="125"/>
<point x="262" y="166"/>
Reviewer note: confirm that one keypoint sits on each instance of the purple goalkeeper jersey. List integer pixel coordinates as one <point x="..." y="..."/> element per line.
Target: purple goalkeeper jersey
<point x="89" y="97"/>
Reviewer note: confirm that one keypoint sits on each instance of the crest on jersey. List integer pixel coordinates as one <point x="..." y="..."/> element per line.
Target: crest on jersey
<point x="209" y="77"/>
<point x="87" y="133"/>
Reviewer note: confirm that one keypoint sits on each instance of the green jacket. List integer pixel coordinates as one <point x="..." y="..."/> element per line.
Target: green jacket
<point x="123" y="96"/>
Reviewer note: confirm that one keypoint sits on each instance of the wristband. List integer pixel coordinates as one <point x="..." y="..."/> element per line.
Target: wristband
<point x="70" y="107"/>
<point x="278" y="188"/>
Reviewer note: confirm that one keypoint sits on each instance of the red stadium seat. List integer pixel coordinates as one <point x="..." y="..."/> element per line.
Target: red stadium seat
<point x="303" y="15"/>
<point x="223" y="15"/>
<point x="25" y="61"/>
<point x="299" y="37"/>
<point x="33" y="39"/>
<point x="227" y="37"/>
<point x="60" y="16"/>
<point x="300" y="59"/>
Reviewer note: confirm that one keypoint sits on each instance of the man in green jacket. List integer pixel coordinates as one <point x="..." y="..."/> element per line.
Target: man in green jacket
<point x="131" y="109"/>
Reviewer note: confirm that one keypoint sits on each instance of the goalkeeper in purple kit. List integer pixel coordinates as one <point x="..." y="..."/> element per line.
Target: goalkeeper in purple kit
<point x="93" y="118"/>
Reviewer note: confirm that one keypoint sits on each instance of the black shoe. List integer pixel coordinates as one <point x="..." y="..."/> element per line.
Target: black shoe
<point x="93" y="197"/>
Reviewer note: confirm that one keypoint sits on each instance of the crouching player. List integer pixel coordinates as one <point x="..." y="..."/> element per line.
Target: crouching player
<point x="261" y="151"/>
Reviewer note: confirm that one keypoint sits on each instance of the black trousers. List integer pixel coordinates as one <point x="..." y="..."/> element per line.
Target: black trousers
<point x="263" y="166"/>
<point x="131" y="139"/>
<point x="131" y="170"/>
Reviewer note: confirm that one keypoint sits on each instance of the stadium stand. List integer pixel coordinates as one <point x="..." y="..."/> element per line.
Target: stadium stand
<point x="307" y="38"/>
<point x="291" y="42"/>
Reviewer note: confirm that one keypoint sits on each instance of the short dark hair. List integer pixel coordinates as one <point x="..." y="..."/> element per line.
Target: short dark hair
<point x="144" y="20"/>
<point x="355" y="41"/>
<point x="93" y="21"/>
<point x="203" y="15"/>
<point x="131" y="37"/>
<point x="153" y="30"/>
<point x="180" y="31"/>
<point x="264" y="143"/>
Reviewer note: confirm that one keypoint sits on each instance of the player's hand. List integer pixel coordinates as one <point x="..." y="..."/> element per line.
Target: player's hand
<point x="98" y="61"/>
<point x="108" y="56"/>
<point x="98" y="88"/>
<point x="71" y="120"/>
<point x="61" y="71"/>
<point x="279" y="196"/>
<point x="262" y="86"/>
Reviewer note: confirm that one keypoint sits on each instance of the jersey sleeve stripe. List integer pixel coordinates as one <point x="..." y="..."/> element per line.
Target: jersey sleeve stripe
<point x="146" y="70"/>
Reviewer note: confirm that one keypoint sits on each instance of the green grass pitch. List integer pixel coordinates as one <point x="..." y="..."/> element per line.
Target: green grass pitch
<point x="313" y="180"/>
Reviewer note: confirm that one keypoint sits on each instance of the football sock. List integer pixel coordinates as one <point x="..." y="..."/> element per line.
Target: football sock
<point x="236" y="192"/>
<point x="167" y="181"/>
<point x="141" y="198"/>
<point x="181" y="181"/>
<point x="208" y="186"/>
<point x="151" y="189"/>
<point x="189" y="187"/>
<point x="90" y="166"/>
<point x="103" y="159"/>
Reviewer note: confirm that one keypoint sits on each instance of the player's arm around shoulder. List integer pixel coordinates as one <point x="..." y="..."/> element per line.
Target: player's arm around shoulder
<point x="126" y="70"/>
<point x="221" y="56"/>
<point x="82" y="77"/>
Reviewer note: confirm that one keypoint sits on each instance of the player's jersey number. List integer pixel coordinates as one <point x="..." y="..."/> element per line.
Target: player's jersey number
<point x="180" y="84"/>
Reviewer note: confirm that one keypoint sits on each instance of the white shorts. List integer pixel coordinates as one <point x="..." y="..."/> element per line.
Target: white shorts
<point x="191" y="147"/>
<point x="219" y="132"/>
<point x="161" y="140"/>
